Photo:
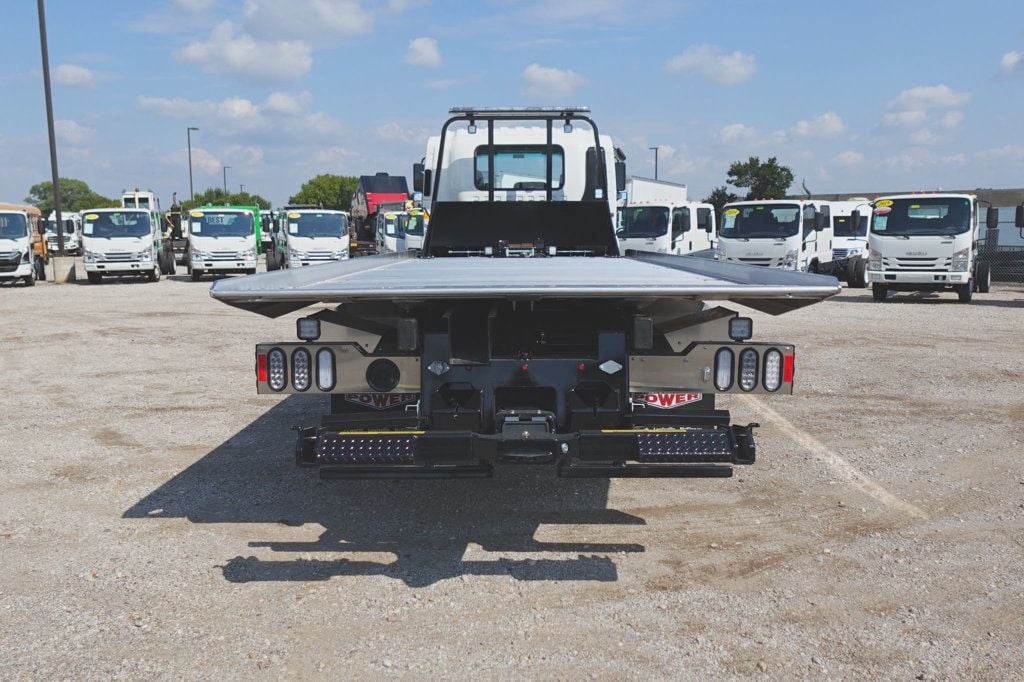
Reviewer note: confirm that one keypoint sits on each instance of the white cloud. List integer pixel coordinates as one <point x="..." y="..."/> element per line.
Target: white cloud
<point x="735" y="133"/>
<point x="714" y="64"/>
<point x="72" y="132"/>
<point x="230" y="52"/>
<point x="927" y="97"/>
<point x="1012" y="65"/>
<point x="445" y="83"/>
<point x="308" y="19"/>
<point x="423" y="52"/>
<point x="1013" y="153"/>
<point x="287" y="103"/>
<point x="549" y="82"/>
<point x="955" y="160"/>
<point x="951" y="119"/>
<point x="194" y="6"/>
<point x="904" y="119"/>
<point x="74" y="76"/>
<point x="243" y="156"/>
<point x="850" y="159"/>
<point x="202" y="160"/>
<point x="827" y="125"/>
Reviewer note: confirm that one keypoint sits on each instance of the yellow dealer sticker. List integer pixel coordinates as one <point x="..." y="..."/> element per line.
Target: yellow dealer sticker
<point x="915" y="206"/>
<point x="883" y="203"/>
<point x="196" y="214"/>
<point x="294" y="215"/>
<point x="732" y="212"/>
<point x="92" y="216"/>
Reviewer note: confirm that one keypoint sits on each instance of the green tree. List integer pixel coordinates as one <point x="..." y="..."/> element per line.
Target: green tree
<point x="218" y="197"/>
<point x="327" y="191"/>
<point x="767" y="180"/>
<point x="75" y="195"/>
<point x="719" y="197"/>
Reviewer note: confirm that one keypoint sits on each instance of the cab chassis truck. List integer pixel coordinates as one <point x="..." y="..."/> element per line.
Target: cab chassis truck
<point x="520" y="335"/>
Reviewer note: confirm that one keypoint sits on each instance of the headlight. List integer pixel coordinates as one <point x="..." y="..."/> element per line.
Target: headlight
<point x="248" y="254"/>
<point x="960" y="259"/>
<point x="26" y="257"/>
<point x="874" y="260"/>
<point x="293" y="253"/>
<point x="790" y="259"/>
<point x="89" y="257"/>
<point x="199" y="255"/>
<point x="144" y="255"/>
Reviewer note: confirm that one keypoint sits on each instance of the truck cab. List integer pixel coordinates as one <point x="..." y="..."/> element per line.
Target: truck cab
<point x="119" y="242"/>
<point x="72" y="230"/>
<point x="311" y="236"/>
<point x="927" y="242"/>
<point x="23" y="252"/>
<point x="850" y="240"/>
<point x="794" y="234"/>
<point x="222" y="240"/>
<point x="666" y="228"/>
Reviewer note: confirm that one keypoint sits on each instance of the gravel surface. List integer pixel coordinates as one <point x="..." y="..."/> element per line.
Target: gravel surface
<point x="152" y="522"/>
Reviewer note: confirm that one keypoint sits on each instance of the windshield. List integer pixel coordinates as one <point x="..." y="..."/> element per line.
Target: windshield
<point x="523" y="167"/>
<point x="116" y="224"/>
<point x="221" y="223"/>
<point x="844" y="226"/>
<point x="760" y="221"/>
<point x="935" y="216"/>
<point x="412" y="224"/>
<point x="13" y="226"/>
<point x="317" y="225"/>
<point x="642" y="221"/>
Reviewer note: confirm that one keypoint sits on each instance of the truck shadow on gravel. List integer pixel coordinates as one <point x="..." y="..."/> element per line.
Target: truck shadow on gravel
<point x="426" y="525"/>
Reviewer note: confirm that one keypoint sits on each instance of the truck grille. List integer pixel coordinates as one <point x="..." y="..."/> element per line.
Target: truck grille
<point x="917" y="264"/>
<point x="756" y="261"/>
<point x="223" y="255"/>
<point x="114" y="257"/>
<point x="840" y="253"/>
<point x="319" y="255"/>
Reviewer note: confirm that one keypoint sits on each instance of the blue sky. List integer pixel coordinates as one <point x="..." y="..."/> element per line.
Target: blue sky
<point x="866" y="96"/>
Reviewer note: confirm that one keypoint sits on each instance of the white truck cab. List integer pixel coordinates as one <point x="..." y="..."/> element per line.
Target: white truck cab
<point x="17" y="258"/>
<point x="795" y="234"/>
<point x="927" y="242"/>
<point x="313" y="236"/>
<point x="664" y="227"/>
<point x="72" y="232"/>
<point x="222" y="241"/>
<point x="121" y="241"/>
<point x="850" y="240"/>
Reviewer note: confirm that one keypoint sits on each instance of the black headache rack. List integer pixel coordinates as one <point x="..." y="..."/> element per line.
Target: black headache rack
<point x="705" y="451"/>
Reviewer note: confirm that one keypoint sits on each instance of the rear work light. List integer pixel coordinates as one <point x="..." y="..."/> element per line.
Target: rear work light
<point x="277" y="370"/>
<point x="301" y="362"/>
<point x="748" y="369"/>
<point x="307" y="328"/>
<point x="772" y="370"/>
<point x="723" y="369"/>
<point x="325" y="369"/>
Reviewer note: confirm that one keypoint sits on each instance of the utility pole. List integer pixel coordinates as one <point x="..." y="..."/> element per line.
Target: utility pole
<point x="655" y="161"/>
<point x="49" y="124"/>
<point x="241" y="189"/>
<point x="226" y="179"/>
<point x="188" y="134"/>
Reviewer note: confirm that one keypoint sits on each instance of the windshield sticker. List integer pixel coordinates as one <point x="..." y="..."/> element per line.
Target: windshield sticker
<point x="732" y="212"/>
<point x="915" y="206"/>
<point x="197" y="214"/>
<point x="293" y="228"/>
<point x="882" y="210"/>
<point x="87" y="228"/>
<point x="294" y="216"/>
<point x="884" y="203"/>
<point x="92" y="216"/>
<point x="197" y="228"/>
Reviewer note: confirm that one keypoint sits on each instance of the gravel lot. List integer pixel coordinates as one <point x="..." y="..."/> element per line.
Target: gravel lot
<point x="152" y="523"/>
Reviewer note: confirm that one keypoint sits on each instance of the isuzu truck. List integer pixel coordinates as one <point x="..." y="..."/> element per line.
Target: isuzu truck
<point x="118" y="242"/>
<point x="312" y="236"/>
<point x="222" y="240"/>
<point x="23" y="252"/>
<point x="927" y="242"/>
<point x="663" y="227"/>
<point x="782" y="233"/>
<point x="520" y="334"/>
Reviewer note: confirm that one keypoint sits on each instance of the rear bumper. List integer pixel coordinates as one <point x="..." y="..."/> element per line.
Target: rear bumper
<point x="664" y="452"/>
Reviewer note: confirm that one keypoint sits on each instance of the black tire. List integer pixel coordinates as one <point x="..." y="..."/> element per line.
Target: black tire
<point x="94" y="277"/>
<point x="983" y="278"/>
<point x="965" y="292"/>
<point x="879" y="292"/>
<point x="154" y="274"/>
<point x="250" y="271"/>
<point x="271" y="260"/>
<point x="30" y="280"/>
<point x="856" y="273"/>
<point x="195" y="274"/>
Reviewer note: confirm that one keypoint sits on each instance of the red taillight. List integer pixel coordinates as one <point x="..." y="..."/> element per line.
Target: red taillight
<point x="261" y="368"/>
<point x="787" y="369"/>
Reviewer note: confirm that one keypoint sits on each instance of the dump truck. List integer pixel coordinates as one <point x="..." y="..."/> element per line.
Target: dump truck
<point x="520" y="334"/>
<point x="374" y="194"/>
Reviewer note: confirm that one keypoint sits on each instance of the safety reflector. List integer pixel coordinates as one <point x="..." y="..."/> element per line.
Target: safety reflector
<point x="787" y="369"/>
<point x="261" y="368"/>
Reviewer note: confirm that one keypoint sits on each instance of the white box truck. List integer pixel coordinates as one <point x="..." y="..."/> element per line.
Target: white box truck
<point x="927" y="242"/>
<point x="647" y="191"/>
<point x="795" y="234"/>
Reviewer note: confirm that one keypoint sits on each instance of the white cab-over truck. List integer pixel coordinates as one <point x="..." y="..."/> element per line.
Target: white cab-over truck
<point x="312" y="236"/>
<point x="118" y="242"/>
<point x="927" y="242"/>
<point x="784" y="233"/>
<point x="665" y="227"/>
<point x="20" y="259"/>
<point x="72" y="233"/>
<point x="850" y="240"/>
<point x="222" y="241"/>
<point x="520" y="334"/>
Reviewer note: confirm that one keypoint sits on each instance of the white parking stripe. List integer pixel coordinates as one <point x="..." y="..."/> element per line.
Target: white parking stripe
<point x="839" y="466"/>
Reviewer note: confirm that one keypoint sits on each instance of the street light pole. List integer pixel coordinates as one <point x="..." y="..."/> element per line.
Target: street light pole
<point x="655" y="161"/>
<point x="241" y="189"/>
<point x="49" y="125"/>
<point x="226" y="179"/>
<point x="188" y="134"/>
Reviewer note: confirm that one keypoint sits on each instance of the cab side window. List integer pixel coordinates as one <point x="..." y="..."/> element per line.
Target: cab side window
<point x="808" y="220"/>
<point x="680" y="222"/>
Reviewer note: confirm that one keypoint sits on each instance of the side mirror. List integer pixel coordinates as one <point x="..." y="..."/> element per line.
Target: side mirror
<point x="428" y="182"/>
<point x="1018" y="219"/>
<point x="620" y="176"/>
<point x="704" y="220"/>
<point x="992" y="218"/>
<point x="41" y="227"/>
<point x="417" y="176"/>
<point x="855" y="220"/>
<point x="819" y="221"/>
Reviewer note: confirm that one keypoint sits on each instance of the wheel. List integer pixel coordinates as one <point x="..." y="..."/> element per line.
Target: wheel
<point x="861" y="273"/>
<point x="30" y="279"/>
<point x="154" y="274"/>
<point x="879" y="293"/>
<point x="983" y="278"/>
<point x="271" y="260"/>
<point x="250" y="271"/>
<point x="94" y="277"/>
<point x="195" y="274"/>
<point x="965" y="292"/>
<point x="40" y="269"/>
<point x="813" y="268"/>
